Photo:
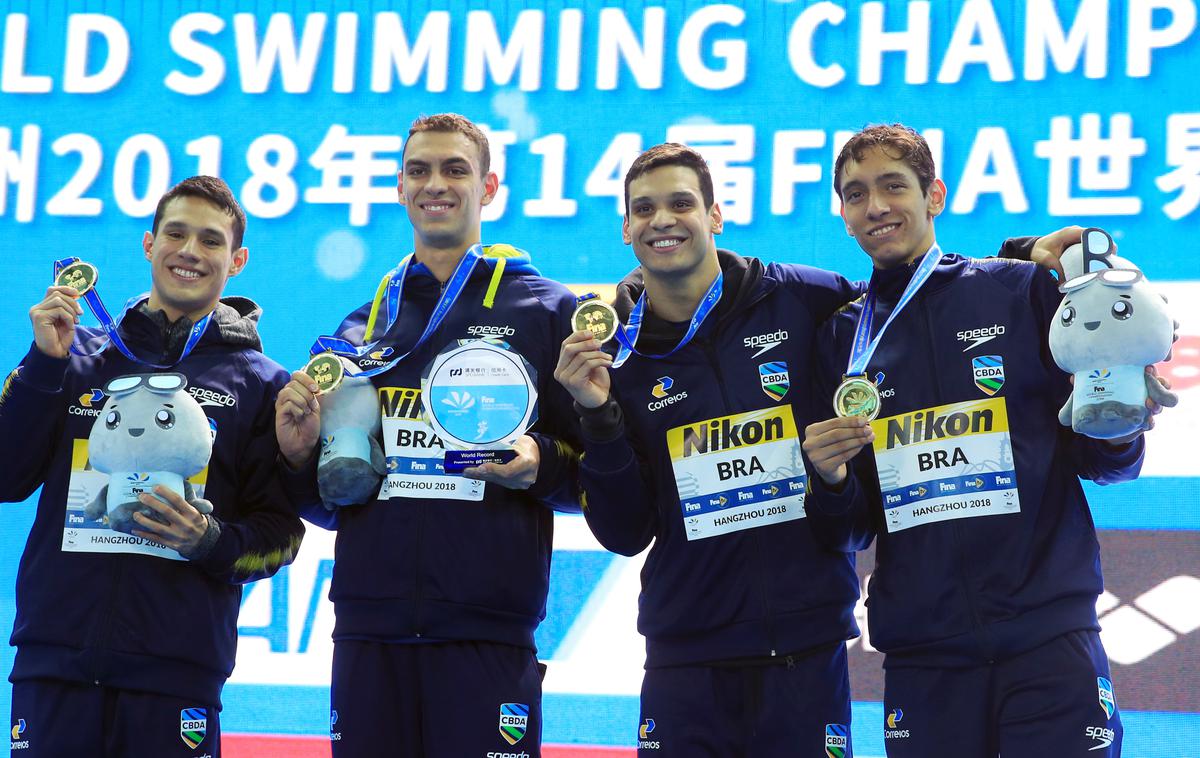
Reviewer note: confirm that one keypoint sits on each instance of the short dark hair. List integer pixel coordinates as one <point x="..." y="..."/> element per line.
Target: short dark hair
<point x="671" y="154"/>
<point x="212" y="190"/>
<point x="900" y="142"/>
<point x="453" y="122"/>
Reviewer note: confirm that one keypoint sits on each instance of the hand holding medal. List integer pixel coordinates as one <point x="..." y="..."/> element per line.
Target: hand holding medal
<point x="596" y="316"/>
<point x="326" y="370"/>
<point x="857" y="396"/>
<point x="79" y="275"/>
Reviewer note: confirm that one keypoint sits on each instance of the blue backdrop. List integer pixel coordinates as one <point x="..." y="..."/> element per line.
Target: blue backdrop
<point x="1040" y="113"/>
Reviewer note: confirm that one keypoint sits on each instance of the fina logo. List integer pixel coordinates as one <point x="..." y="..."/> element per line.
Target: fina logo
<point x="193" y="723"/>
<point x="459" y="401"/>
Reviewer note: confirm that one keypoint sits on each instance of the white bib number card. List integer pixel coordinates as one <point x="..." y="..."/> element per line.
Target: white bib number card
<point x="738" y="472"/>
<point x="949" y="462"/>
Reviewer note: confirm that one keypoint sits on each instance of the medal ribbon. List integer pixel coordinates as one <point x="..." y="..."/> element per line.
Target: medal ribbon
<point x="111" y="326"/>
<point x="861" y="352"/>
<point x="454" y="288"/>
<point x="628" y="335"/>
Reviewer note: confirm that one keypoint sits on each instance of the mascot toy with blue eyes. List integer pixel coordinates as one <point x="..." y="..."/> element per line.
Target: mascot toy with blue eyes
<point x="1109" y="326"/>
<point x="150" y="432"/>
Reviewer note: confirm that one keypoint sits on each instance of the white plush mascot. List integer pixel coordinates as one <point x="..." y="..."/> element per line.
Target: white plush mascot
<point x="151" y="432"/>
<point x="351" y="463"/>
<point x="1110" y="325"/>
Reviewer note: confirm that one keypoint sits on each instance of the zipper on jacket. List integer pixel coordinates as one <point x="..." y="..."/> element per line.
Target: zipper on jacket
<point x="956" y="534"/>
<point x="711" y="355"/>
<point x="105" y="629"/>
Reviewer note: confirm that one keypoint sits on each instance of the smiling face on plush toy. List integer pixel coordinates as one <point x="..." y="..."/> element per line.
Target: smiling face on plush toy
<point x="1114" y="318"/>
<point x="150" y="424"/>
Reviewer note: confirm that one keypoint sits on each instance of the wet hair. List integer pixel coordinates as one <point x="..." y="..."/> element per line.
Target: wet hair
<point x="671" y="154"/>
<point x="212" y="190"/>
<point x="453" y="122"/>
<point x="898" y="141"/>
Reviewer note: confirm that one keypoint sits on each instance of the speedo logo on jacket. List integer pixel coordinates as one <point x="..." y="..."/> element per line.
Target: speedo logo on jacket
<point x="942" y="422"/>
<point x="765" y="342"/>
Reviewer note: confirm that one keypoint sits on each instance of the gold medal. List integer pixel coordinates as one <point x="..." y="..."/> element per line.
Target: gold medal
<point x="857" y="396"/>
<point x="595" y="316"/>
<point x="82" y="276"/>
<point x="326" y="370"/>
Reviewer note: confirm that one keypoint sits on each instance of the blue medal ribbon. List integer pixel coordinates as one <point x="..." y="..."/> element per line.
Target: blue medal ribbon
<point x="393" y="299"/>
<point x="111" y="326"/>
<point x="628" y="335"/>
<point x="864" y="347"/>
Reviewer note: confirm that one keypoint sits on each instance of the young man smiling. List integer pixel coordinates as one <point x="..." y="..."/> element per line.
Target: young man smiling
<point x="987" y="567"/>
<point x="437" y="596"/>
<point x="109" y="660"/>
<point x="744" y="615"/>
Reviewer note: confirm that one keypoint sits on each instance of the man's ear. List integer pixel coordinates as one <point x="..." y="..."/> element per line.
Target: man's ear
<point x="714" y="215"/>
<point x="241" y="257"/>
<point x="936" y="197"/>
<point x="491" y="185"/>
<point x="400" y="186"/>
<point x="626" y="237"/>
<point x="846" y="221"/>
<point x="148" y="245"/>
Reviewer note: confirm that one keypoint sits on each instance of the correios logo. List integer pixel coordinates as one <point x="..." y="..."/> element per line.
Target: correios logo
<point x="661" y="391"/>
<point x="18" y="730"/>
<point x="664" y="386"/>
<point x="644" y="732"/>
<point x="89" y="404"/>
<point x="893" y="732"/>
<point x="376" y="357"/>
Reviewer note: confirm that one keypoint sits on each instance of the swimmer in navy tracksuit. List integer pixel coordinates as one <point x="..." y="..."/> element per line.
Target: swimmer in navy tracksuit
<point x="442" y="579"/>
<point x="987" y="566"/>
<point x="124" y="641"/>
